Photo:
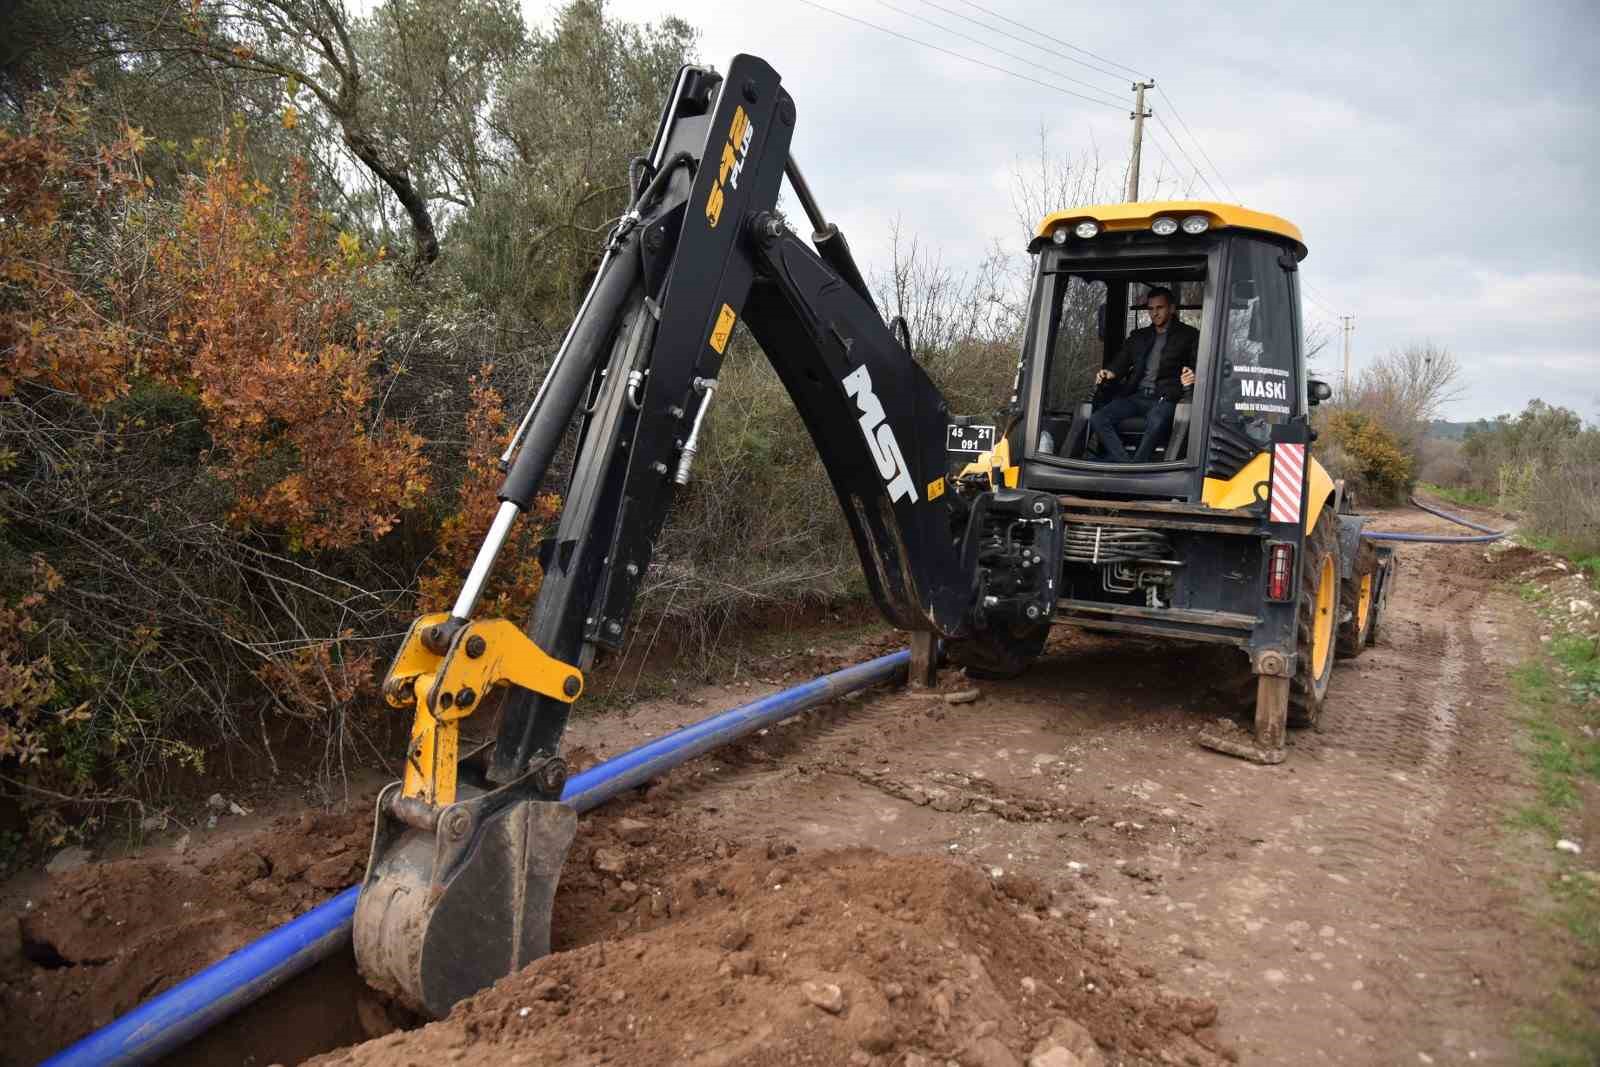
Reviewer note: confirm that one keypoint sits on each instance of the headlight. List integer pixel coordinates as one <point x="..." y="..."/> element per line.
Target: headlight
<point x="1086" y="228"/>
<point x="1196" y="224"/>
<point x="1060" y="235"/>
<point x="1164" y="227"/>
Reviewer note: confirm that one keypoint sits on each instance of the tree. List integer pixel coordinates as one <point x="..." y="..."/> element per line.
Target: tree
<point x="1412" y="384"/>
<point x="563" y="126"/>
<point x="309" y="44"/>
<point x="435" y="67"/>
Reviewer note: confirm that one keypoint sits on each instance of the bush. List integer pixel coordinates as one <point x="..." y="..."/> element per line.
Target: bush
<point x="1563" y="498"/>
<point x="1442" y="462"/>
<point x="1367" y="456"/>
<point x="207" y="517"/>
<point x="1542" y="462"/>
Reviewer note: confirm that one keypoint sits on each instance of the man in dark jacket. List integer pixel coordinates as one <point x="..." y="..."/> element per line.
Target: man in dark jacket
<point x="1155" y="366"/>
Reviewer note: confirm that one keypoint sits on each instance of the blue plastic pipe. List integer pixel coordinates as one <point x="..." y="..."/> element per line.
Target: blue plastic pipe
<point x="1457" y="519"/>
<point x="1439" y="539"/>
<point x="1432" y="539"/>
<point x="188" y="1009"/>
<point x="632" y="769"/>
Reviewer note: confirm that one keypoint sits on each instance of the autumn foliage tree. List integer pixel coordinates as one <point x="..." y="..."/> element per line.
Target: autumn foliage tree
<point x="55" y="183"/>
<point x="194" y="447"/>
<point x="516" y="578"/>
<point x="257" y="320"/>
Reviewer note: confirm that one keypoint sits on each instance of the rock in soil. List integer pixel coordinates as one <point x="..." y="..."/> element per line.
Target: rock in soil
<point x="68" y="859"/>
<point x="1067" y="1036"/>
<point x="824" y="995"/>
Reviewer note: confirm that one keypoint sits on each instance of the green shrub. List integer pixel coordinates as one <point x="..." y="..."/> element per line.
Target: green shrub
<point x="1370" y="459"/>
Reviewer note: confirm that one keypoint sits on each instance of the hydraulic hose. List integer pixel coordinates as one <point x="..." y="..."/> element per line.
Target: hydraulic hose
<point x="1438" y="539"/>
<point x="172" y="1019"/>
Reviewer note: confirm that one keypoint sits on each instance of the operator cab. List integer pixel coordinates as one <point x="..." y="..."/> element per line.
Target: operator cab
<point x="1233" y="276"/>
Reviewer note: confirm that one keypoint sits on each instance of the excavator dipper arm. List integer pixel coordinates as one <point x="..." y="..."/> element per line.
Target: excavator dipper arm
<point x="468" y="849"/>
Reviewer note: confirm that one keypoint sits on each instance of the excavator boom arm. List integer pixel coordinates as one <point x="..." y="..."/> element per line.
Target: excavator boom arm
<point x="467" y="848"/>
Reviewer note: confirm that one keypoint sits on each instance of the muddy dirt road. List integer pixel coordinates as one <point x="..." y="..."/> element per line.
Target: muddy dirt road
<point x="1059" y="854"/>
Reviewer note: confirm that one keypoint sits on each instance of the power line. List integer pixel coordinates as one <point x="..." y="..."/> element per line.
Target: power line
<point x="1305" y="287"/>
<point x="1059" y="41"/>
<point x="992" y="48"/>
<point x="1177" y="142"/>
<point x="1175" y="168"/>
<point x="1196" y="175"/>
<point x="958" y="55"/>
<point x="1197" y="144"/>
<point x="1185" y="152"/>
<point x="1021" y="40"/>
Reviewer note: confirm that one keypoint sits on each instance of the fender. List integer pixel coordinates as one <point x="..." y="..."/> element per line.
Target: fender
<point x="1240" y="490"/>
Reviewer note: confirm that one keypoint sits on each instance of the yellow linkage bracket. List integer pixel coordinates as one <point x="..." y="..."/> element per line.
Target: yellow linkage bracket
<point x="481" y="655"/>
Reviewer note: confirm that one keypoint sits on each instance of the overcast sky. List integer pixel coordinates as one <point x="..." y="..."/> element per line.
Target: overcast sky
<point x="1440" y="158"/>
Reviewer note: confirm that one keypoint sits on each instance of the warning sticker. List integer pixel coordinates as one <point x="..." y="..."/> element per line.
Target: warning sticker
<point x="723" y="329"/>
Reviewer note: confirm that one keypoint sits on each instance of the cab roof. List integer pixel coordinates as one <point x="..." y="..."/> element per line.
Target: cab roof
<point x="1139" y="216"/>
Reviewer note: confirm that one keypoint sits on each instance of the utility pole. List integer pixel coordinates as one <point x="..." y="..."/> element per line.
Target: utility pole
<point x="1349" y="325"/>
<point x="1138" y="116"/>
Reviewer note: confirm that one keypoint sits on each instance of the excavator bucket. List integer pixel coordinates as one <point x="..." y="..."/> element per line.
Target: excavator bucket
<point x="454" y="908"/>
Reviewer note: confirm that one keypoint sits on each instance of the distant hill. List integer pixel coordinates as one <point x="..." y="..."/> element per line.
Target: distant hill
<point x="1449" y="431"/>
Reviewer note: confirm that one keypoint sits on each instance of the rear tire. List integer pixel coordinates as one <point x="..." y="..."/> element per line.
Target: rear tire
<point x="1318" y="617"/>
<point x="1357" y="592"/>
<point x="998" y="654"/>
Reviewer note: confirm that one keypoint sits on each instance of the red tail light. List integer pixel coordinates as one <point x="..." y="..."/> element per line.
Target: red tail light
<point x="1280" y="571"/>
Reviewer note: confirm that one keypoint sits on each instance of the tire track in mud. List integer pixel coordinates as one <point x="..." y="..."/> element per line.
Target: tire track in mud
<point x="1362" y="901"/>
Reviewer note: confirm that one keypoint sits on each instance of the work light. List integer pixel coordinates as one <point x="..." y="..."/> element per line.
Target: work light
<point x="1196" y="224"/>
<point x="1086" y="228"/>
<point x="1164" y="227"/>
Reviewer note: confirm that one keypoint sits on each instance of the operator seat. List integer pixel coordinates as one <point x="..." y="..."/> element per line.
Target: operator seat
<point x="1077" y="441"/>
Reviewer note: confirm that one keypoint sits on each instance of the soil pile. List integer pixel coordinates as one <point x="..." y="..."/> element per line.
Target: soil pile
<point x="766" y="956"/>
<point x="109" y="936"/>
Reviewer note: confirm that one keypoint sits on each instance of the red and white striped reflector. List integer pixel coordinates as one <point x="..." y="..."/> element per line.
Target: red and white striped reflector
<point x="1288" y="474"/>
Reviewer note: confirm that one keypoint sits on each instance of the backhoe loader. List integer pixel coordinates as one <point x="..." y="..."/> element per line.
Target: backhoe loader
<point x="977" y="534"/>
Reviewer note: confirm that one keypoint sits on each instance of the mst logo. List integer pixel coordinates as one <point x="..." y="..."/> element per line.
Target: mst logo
<point x="880" y="435"/>
<point x="734" y="153"/>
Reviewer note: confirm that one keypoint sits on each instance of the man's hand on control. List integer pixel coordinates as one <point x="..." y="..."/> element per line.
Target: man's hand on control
<point x="1103" y="376"/>
<point x="1187" y="377"/>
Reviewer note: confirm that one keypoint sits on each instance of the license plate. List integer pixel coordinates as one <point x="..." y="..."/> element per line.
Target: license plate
<point x="970" y="440"/>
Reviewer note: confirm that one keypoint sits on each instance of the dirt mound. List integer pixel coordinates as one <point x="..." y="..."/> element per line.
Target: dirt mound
<point x="111" y="935"/>
<point x="1514" y="562"/>
<point x="848" y="956"/>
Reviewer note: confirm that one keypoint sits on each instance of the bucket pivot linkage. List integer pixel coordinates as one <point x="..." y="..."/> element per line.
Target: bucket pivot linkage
<point x="463" y="872"/>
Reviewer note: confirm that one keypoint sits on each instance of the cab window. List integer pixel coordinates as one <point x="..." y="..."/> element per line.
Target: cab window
<point x="1096" y="310"/>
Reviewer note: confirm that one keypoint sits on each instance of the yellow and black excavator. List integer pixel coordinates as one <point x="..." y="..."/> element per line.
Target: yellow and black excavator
<point x="976" y="534"/>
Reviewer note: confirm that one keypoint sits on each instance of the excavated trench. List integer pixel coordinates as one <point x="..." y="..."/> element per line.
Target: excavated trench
<point x="671" y="944"/>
